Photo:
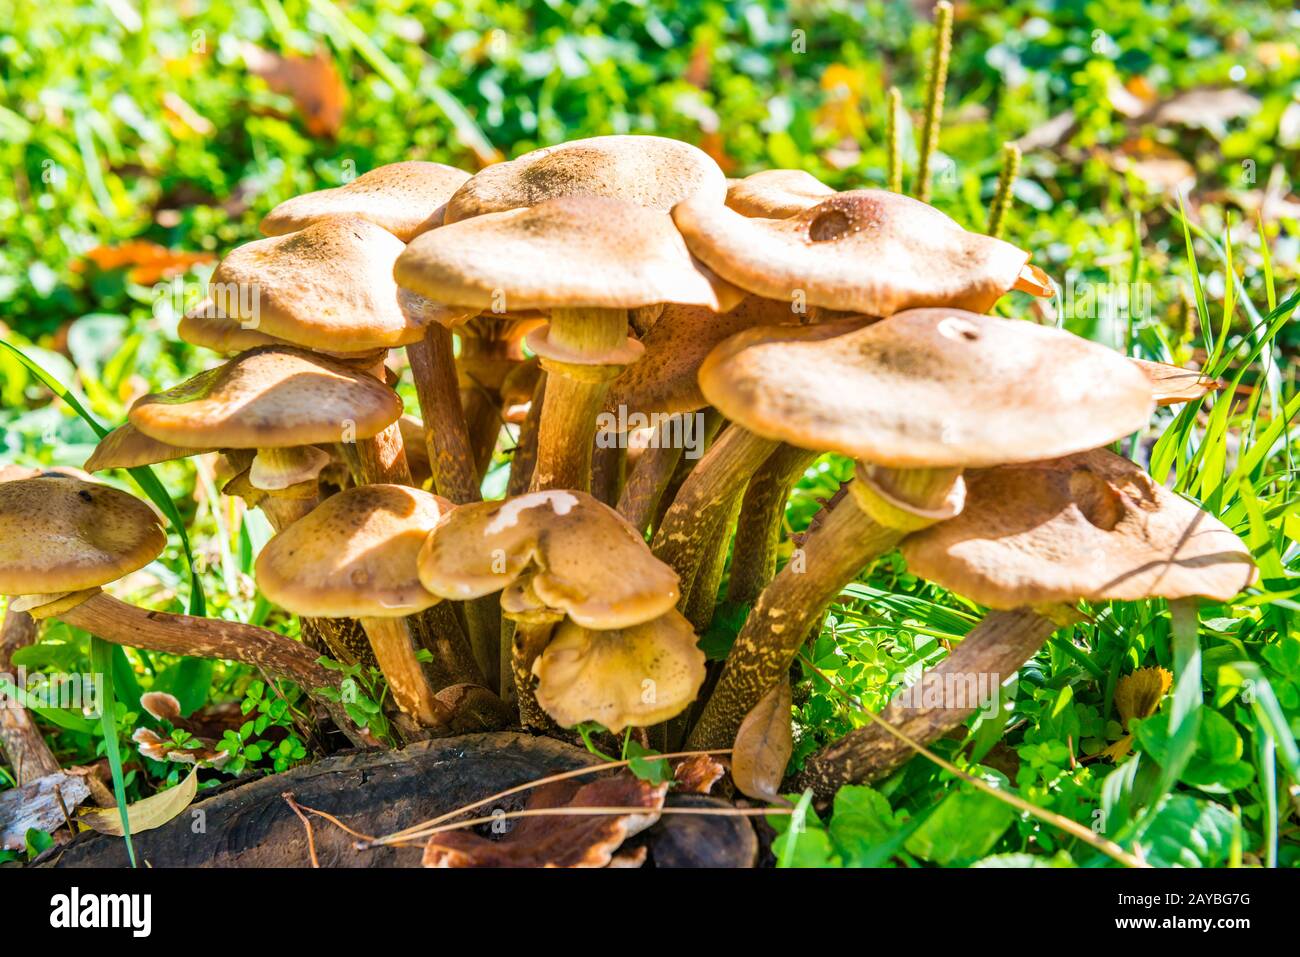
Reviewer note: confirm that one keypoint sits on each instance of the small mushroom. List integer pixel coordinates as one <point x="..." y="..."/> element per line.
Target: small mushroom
<point x="864" y="251"/>
<point x="1032" y="538"/>
<point x="354" y="556"/>
<point x="776" y="193"/>
<point x="403" y="198"/>
<point x="915" y="399"/>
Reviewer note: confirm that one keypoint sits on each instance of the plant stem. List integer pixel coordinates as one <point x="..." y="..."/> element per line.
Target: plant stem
<point x="645" y="485"/>
<point x="939" y="54"/>
<point x="524" y="461"/>
<point x="395" y="648"/>
<point x="758" y="533"/>
<point x="894" y="140"/>
<point x="1006" y="181"/>
<point x="530" y="640"/>
<point x="451" y="456"/>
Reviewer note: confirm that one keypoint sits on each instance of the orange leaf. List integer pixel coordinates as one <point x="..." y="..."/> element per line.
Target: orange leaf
<point x="147" y="261"/>
<point x="313" y="83"/>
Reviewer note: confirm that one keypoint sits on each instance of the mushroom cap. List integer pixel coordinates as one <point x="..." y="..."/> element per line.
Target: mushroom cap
<point x="651" y="171"/>
<point x="403" y="198"/>
<point x="625" y="677"/>
<point x="869" y="251"/>
<point x="203" y="326"/>
<point x="60" y="534"/>
<point x="581" y="556"/>
<point x="928" y="388"/>
<point x="1091" y="525"/>
<point x="776" y="193"/>
<point x="1173" y="384"/>
<point x="664" y="379"/>
<point x="126" y="447"/>
<point x="568" y="252"/>
<point x="268" y="398"/>
<point x="328" y="286"/>
<point x="354" y="555"/>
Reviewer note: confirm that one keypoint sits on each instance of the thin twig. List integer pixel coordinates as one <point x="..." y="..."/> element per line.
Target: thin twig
<point x="610" y="811"/>
<point x="311" y="837"/>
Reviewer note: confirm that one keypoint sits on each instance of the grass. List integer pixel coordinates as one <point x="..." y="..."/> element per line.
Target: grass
<point x="154" y="130"/>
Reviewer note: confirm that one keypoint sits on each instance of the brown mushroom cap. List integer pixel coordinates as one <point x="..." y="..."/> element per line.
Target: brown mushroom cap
<point x="403" y="198"/>
<point x="569" y="252"/>
<point x="354" y="555"/>
<point x="580" y="555"/>
<point x="328" y="286"/>
<point x="869" y="251"/>
<point x="776" y="193"/>
<point x="126" y="447"/>
<point x="203" y="327"/>
<point x="60" y="534"/>
<point x="664" y="379"/>
<point x="928" y="388"/>
<point x="1091" y="525"/>
<point x="633" y="677"/>
<point x="650" y="171"/>
<point x="268" y="398"/>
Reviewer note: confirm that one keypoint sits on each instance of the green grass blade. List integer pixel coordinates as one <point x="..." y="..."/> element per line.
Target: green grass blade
<point x="101" y="656"/>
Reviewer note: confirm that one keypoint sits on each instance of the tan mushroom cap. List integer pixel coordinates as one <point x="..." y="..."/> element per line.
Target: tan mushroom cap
<point x="630" y="677"/>
<point x="203" y="327"/>
<point x="581" y="557"/>
<point x="651" y="171"/>
<point x="268" y="398"/>
<point x="1174" y="384"/>
<point x="10" y="472"/>
<point x="60" y="534"/>
<point x="328" y="286"/>
<point x="126" y="447"/>
<point x="403" y="198"/>
<point x="776" y="193"/>
<point x="869" y="251"/>
<point x="928" y="388"/>
<point x="664" y="379"/>
<point x="1091" y="525"/>
<point x="569" y="252"/>
<point x="354" y="555"/>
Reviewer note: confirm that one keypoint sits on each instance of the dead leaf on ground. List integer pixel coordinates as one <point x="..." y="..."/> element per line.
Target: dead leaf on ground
<point x="313" y="83"/>
<point x="1208" y="109"/>
<point x="698" y="773"/>
<point x="569" y="840"/>
<point x="1158" y="166"/>
<point x="147" y="813"/>
<point x="763" y="746"/>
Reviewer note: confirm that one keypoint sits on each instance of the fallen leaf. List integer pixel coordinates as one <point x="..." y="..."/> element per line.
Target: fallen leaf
<point x="1137" y="695"/>
<point x="568" y="840"/>
<point x="313" y="83"/>
<point x="1207" y="109"/>
<point x="147" y="813"/>
<point x="698" y="773"/>
<point x="147" y="262"/>
<point x="763" y="746"/>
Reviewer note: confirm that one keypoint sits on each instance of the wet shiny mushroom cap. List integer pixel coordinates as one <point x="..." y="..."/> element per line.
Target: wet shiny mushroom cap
<point x="928" y="388"/>
<point x="1091" y="525"/>
<point x="268" y="398"/>
<point x="62" y="534"/>
<point x="776" y="193"/>
<point x="868" y="251"/>
<point x="559" y="550"/>
<point x="629" y="677"/>
<point x="328" y="286"/>
<point x="651" y="171"/>
<point x="576" y="251"/>
<point x="354" y="555"/>
<point x="403" y="198"/>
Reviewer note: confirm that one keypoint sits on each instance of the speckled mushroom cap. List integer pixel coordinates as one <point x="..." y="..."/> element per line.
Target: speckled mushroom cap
<point x="869" y="251"/>
<point x="664" y="379"/>
<point x="203" y="327"/>
<point x="60" y="534"/>
<point x="1173" y="384"/>
<point x="354" y="555"/>
<point x="569" y="252"/>
<point x="776" y="193"/>
<point x="1091" y="525"/>
<point x="403" y="198"/>
<point x="630" y="677"/>
<point x="650" y="171"/>
<point x="126" y="447"/>
<point x="580" y="557"/>
<point x="928" y="388"/>
<point x="328" y="286"/>
<point x="265" y="399"/>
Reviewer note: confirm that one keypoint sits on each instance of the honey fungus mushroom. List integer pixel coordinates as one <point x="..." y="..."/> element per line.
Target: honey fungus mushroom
<point x="776" y="193"/>
<point x="915" y="399"/>
<point x="62" y="539"/>
<point x="1033" y="539"/>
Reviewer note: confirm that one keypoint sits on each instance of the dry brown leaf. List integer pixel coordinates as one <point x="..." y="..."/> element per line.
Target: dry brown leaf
<point x="569" y="840"/>
<point x="1172" y="384"/>
<point x="147" y="813"/>
<point x="313" y="83"/>
<point x="763" y="746"/>
<point x="698" y="773"/>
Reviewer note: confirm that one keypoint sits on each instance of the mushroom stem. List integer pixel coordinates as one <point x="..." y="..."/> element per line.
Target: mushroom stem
<point x="645" y="485"/>
<point x="395" y="648"/>
<point x="21" y="743"/>
<point x="575" y="393"/>
<point x="524" y="461"/>
<point x="698" y="605"/>
<point x="608" y="471"/>
<point x="483" y="421"/>
<point x="758" y="532"/>
<point x="380" y="459"/>
<point x="780" y="620"/>
<point x="530" y="640"/>
<point x="274" y="470"/>
<point x="704" y="498"/>
<point x="451" y="456"/>
<point x="994" y="650"/>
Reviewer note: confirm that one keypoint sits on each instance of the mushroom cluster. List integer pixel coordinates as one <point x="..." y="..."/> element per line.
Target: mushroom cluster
<point x="660" y="353"/>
